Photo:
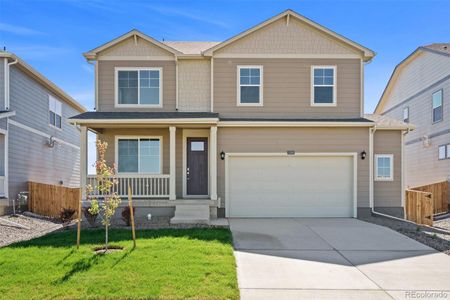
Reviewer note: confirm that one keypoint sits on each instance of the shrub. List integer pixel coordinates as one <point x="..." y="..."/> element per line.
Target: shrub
<point x="90" y="215"/>
<point x="126" y="215"/>
<point x="66" y="214"/>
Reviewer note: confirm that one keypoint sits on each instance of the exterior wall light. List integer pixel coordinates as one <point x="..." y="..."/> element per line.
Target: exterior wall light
<point x="363" y="155"/>
<point x="222" y="155"/>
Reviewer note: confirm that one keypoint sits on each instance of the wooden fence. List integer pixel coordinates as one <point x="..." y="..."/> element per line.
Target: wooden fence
<point x="440" y="195"/>
<point x="48" y="200"/>
<point x="419" y="207"/>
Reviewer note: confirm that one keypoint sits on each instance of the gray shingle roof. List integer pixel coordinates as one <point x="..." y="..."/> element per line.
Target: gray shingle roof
<point x="143" y="115"/>
<point x="440" y="47"/>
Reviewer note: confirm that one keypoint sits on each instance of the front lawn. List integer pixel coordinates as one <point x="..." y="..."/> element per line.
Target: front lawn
<point x="167" y="264"/>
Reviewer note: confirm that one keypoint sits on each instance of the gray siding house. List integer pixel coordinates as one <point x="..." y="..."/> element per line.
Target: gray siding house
<point x="419" y="93"/>
<point x="36" y="142"/>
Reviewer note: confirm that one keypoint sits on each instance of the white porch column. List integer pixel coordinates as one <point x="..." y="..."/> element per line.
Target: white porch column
<point x="83" y="160"/>
<point x="172" y="181"/>
<point x="213" y="162"/>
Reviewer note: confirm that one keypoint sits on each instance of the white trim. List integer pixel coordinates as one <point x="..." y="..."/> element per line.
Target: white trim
<point x="43" y="134"/>
<point x="96" y="86"/>
<point x="391" y="167"/>
<point x="7" y="114"/>
<point x="371" y="134"/>
<point x="176" y="84"/>
<point x="260" y="85"/>
<point x="354" y="155"/>
<point x="138" y="137"/>
<point x="402" y="168"/>
<point x="193" y="133"/>
<point x="146" y="121"/>
<point x="361" y="74"/>
<point x="212" y="84"/>
<point x="213" y="162"/>
<point x="116" y="87"/>
<point x="83" y="160"/>
<point x="284" y="55"/>
<point x="334" y="85"/>
<point x="172" y="162"/>
<point x="140" y="58"/>
<point x="6" y="82"/>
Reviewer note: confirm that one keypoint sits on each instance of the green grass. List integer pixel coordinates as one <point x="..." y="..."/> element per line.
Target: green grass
<point x="167" y="264"/>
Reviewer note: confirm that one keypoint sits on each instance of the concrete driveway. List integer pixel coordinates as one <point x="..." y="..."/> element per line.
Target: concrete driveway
<point x="299" y="258"/>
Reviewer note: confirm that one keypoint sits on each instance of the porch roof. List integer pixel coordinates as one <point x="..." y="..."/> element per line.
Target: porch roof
<point x="94" y="117"/>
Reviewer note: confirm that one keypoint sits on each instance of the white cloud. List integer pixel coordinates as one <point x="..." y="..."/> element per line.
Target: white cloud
<point x="18" y="29"/>
<point x="196" y="16"/>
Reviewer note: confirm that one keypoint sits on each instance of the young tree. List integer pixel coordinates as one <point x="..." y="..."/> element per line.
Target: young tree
<point x="104" y="201"/>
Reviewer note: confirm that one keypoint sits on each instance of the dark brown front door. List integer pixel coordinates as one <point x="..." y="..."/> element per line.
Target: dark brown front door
<point x="197" y="166"/>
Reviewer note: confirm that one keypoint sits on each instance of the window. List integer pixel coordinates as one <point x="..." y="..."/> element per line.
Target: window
<point x="406" y="114"/>
<point x="384" y="167"/>
<point x="55" y="112"/>
<point x="138" y="87"/>
<point x="250" y="85"/>
<point x="139" y="155"/>
<point x="323" y="90"/>
<point x="437" y="106"/>
<point x="444" y="151"/>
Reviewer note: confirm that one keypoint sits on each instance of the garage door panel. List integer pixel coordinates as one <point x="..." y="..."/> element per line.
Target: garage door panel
<point x="292" y="186"/>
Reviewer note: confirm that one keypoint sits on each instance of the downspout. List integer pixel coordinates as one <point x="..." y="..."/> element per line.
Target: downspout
<point x="7" y="66"/>
<point x="176" y="83"/>
<point x="371" y="185"/>
<point x="96" y="81"/>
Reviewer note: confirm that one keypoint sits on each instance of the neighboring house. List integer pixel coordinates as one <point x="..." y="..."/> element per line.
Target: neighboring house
<point x="418" y="92"/>
<point x="36" y="142"/>
<point x="268" y="123"/>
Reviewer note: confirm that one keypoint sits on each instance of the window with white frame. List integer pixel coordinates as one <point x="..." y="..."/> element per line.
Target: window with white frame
<point x="323" y="90"/>
<point x="55" y="112"/>
<point x="250" y="85"/>
<point x="406" y="114"/>
<point x="437" y="106"/>
<point x="384" y="167"/>
<point x="139" y="87"/>
<point x="444" y="151"/>
<point x="139" y="155"/>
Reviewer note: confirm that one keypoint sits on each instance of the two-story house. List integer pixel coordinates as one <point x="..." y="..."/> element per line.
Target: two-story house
<point x="418" y="93"/>
<point x="36" y="141"/>
<point x="269" y="123"/>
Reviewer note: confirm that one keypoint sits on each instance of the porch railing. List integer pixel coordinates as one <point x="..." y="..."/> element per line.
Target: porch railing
<point x="2" y="186"/>
<point x="143" y="186"/>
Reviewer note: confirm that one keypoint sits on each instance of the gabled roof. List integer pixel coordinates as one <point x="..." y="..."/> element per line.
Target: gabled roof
<point x="368" y="54"/>
<point x="437" y="48"/>
<point x="44" y="81"/>
<point x="91" y="55"/>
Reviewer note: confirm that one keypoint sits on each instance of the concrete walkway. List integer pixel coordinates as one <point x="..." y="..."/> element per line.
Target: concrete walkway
<point x="334" y="259"/>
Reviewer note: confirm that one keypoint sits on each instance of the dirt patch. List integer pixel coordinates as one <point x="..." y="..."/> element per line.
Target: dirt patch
<point x="111" y="249"/>
<point x="432" y="237"/>
<point x="10" y="233"/>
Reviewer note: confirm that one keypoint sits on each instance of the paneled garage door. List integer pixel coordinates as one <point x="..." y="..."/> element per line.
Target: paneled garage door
<point x="290" y="186"/>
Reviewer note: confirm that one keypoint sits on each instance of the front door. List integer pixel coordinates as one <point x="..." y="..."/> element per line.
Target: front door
<point x="197" y="166"/>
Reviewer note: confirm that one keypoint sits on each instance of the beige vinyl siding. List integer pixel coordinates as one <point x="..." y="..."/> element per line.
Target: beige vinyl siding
<point x="426" y="69"/>
<point x="281" y="38"/>
<point x="279" y="140"/>
<point x="194" y="85"/>
<point x="107" y="83"/>
<point x="109" y="135"/>
<point x="139" y="48"/>
<point x="388" y="193"/>
<point x="287" y="88"/>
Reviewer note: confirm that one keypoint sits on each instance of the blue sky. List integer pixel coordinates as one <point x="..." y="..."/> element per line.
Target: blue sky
<point x="51" y="35"/>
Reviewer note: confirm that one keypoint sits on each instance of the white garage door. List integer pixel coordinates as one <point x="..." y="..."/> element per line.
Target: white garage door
<point x="290" y="186"/>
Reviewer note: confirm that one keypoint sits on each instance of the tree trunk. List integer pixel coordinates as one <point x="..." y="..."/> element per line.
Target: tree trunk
<point x="106" y="238"/>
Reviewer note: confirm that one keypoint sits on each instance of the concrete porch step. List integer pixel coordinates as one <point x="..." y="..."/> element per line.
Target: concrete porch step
<point x="191" y="214"/>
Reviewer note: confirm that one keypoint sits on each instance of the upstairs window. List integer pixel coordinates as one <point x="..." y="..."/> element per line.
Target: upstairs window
<point x="250" y="86"/>
<point x="384" y="167"/>
<point x="139" y="155"/>
<point x="139" y="87"/>
<point x="437" y="106"/>
<point x="406" y="114"/>
<point x="444" y="151"/>
<point x="323" y="90"/>
<point x="55" y="112"/>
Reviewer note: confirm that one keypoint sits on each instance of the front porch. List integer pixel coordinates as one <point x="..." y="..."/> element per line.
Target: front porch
<point x="165" y="164"/>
